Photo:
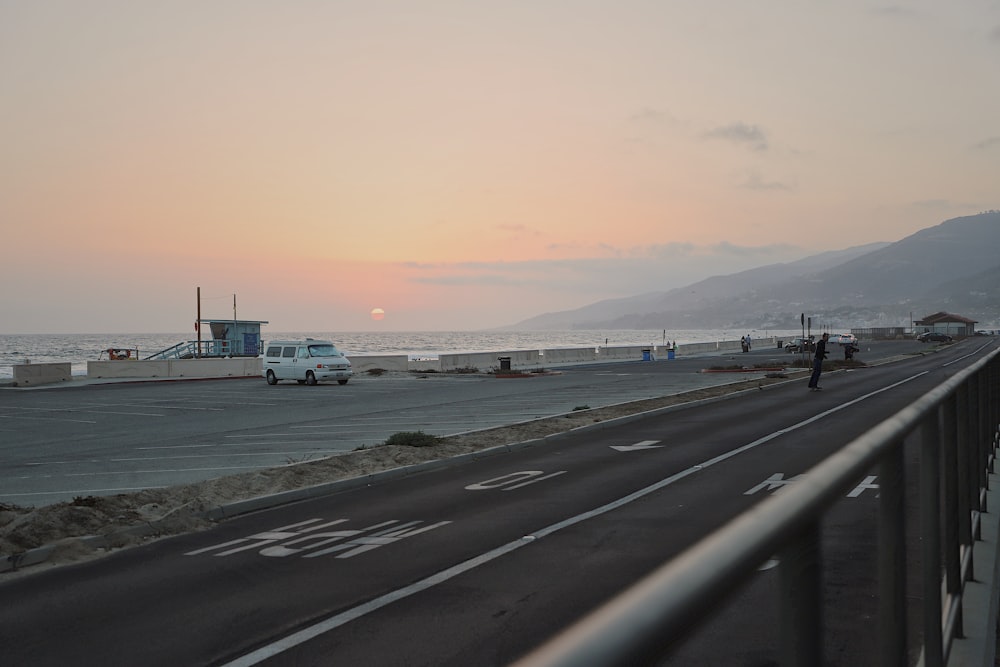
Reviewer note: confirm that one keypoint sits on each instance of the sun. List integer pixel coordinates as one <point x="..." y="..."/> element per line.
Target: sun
<point x="377" y="313"/>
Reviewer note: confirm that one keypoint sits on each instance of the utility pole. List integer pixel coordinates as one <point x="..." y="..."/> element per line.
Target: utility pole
<point x="197" y="326"/>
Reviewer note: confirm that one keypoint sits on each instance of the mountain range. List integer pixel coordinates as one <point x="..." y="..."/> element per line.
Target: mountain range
<point x="952" y="267"/>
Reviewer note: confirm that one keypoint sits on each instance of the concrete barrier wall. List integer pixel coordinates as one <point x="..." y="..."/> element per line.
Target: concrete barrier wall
<point x="29" y="375"/>
<point x="128" y="369"/>
<point x="386" y="362"/>
<point x="573" y="355"/>
<point x="486" y="361"/>
<point x="424" y="365"/>
<point x="191" y="368"/>
<point x="623" y="353"/>
<point x="482" y="361"/>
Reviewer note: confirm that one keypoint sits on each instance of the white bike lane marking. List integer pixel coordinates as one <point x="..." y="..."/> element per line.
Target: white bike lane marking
<point x="306" y="634"/>
<point x="304" y="538"/>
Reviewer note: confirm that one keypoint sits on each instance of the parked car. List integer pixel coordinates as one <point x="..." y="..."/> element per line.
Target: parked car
<point x="306" y="361"/>
<point x="843" y="339"/>
<point x="800" y="345"/>
<point x="934" y="337"/>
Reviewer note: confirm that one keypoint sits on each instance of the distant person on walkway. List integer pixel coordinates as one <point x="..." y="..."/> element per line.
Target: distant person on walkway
<point x="849" y="351"/>
<point x="743" y="343"/>
<point x="749" y="343"/>
<point x="818" y="363"/>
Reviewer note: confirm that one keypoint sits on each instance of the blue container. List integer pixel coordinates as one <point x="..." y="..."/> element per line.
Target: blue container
<point x="647" y="355"/>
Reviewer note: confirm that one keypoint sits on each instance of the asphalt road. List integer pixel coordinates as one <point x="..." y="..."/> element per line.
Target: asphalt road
<point x="480" y="562"/>
<point x="60" y="442"/>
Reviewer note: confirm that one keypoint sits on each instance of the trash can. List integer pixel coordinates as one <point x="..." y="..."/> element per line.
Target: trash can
<point x="504" y="363"/>
<point x="647" y="355"/>
<point x="781" y="344"/>
<point x="670" y="353"/>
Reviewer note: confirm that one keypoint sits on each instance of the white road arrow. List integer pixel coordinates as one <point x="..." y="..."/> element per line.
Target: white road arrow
<point x="645" y="444"/>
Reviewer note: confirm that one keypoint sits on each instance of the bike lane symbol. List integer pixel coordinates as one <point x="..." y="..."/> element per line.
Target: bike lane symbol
<point x="307" y="538"/>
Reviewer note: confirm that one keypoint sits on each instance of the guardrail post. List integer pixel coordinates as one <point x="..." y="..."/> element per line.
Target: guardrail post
<point x="952" y="520"/>
<point x="892" y="559"/>
<point x="976" y="431"/>
<point x="965" y="491"/>
<point x="800" y="585"/>
<point x="930" y="529"/>
<point x="993" y="373"/>
<point x="970" y="457"/>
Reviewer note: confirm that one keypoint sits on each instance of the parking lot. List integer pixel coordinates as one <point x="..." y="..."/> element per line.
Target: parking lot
<point x="100" y="439"/>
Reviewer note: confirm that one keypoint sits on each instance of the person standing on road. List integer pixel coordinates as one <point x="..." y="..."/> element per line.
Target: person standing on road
<point x="818" y="363"/>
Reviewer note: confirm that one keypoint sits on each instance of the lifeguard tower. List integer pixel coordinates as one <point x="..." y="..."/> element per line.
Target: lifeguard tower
<point x="229" y="338"/>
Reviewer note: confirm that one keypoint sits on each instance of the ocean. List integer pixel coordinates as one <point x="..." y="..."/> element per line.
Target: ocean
<point x="78" y="349"/>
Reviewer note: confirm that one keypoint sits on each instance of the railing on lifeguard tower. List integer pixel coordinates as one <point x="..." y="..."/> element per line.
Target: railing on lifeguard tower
<point x="230" y="338"/>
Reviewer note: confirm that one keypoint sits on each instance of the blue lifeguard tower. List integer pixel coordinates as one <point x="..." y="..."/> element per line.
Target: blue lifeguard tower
<point x="229" y="338"/>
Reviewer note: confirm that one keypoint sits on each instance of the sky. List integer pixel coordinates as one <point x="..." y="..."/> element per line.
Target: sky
<point x="464" y="165"/>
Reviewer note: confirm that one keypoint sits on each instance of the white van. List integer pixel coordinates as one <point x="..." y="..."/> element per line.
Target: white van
<point x="309" y="361"/>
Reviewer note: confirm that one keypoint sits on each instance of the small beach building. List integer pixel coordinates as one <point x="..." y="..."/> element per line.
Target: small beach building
<point x="946" y="323"/>
<point x="218" y="338"/>
<point x="233" y="338"/>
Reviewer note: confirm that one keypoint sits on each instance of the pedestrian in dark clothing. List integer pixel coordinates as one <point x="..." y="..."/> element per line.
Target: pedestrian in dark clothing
<point x="849" y="351"/>
<point x="818" y="363"/>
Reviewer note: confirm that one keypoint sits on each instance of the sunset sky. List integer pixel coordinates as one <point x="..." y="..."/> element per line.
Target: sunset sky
<point x="464" y="164"/>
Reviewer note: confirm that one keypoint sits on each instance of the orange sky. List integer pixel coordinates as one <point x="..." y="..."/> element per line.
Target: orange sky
<point x="466" y="165"/>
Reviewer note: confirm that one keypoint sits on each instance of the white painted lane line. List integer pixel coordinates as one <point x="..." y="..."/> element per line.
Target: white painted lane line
<point x="111" y="473"/>
<point x="81" y="492"/>
<point x="48" y="419"/>
<point x="306" y="634"/>
<point x="282" y="453"/>
<point x="96" y="407"/>
<point x="119" y="412"/>
<point x="639" y="446"/>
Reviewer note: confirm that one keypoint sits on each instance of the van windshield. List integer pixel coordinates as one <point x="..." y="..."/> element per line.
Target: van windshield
<point x="323" y="351"/>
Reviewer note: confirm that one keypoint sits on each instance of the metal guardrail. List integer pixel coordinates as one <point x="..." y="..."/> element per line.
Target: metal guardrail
<point x="957" y="426"/>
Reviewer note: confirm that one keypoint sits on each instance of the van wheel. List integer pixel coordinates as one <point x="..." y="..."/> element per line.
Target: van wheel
<point x="341" y="381"/>
<point x="272" y="378"/>
<point x="310" y="378"/>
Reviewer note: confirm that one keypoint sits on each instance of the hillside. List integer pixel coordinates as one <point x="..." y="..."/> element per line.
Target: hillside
<point x="952" y="266"/>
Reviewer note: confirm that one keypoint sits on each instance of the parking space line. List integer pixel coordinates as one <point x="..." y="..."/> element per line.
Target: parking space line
<point x="48" y="419"/>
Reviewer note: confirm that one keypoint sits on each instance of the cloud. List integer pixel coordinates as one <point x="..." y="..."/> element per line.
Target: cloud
<point x="934" y="204"/>
<point x="753" y="181"/>
<point x="994" y="35"/>
<point x="671" y="250"/>
<point x="741" y="134"/>
<point x="761" y="252"/>
<point x="631" y="271"/>
<point x="894" y="11"/>
<point x="654" y="116"/>
<point x="989" y="143"/>
<point x="517" y="229"/>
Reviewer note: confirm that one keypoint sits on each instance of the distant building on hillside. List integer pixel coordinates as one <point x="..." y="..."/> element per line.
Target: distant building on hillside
<point x="946" y="323"/>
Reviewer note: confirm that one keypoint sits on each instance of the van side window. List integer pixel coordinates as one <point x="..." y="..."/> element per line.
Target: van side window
<point x="288" y="352"/>
<point x="303" y="353"/>
<point x="274" y="351"/>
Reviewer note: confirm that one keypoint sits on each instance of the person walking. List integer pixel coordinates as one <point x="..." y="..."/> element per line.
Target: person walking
<point x="818" y="358"/>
